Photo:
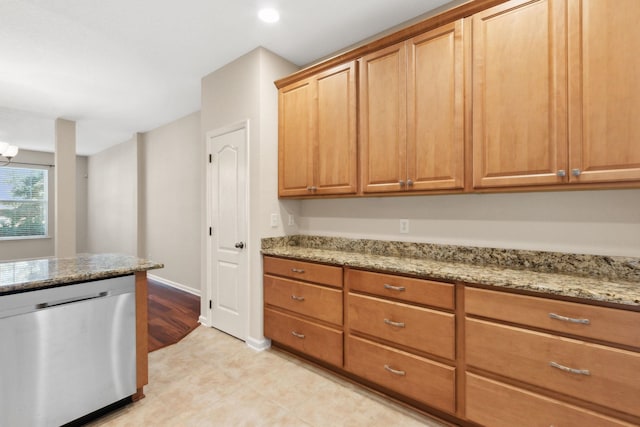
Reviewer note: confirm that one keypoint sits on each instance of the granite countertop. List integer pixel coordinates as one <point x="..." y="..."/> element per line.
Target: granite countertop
<point x="612" y="280"/>
<point x="27" y="275"/>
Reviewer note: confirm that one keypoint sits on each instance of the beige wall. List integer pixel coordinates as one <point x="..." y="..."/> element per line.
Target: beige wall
<point x="171" y="198"/>
<point x="45" y="247"/>
<point x="239" y="91"/>
<point x="592" y="222"/>
<point x="112" y="199"/>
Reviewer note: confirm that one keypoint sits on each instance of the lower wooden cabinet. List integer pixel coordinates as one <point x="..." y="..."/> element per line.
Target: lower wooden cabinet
<point x="557" y="376"/>
<point x="419" y="328"/>
<point x="419" y="378"/>
<point x="479" y="356"/>
<point x="318" y="341"/>
<point x="495" y="404"/>
<point x="303" y="307"/>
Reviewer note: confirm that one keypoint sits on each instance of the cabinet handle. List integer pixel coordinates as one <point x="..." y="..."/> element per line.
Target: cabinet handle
<point x="392" y="323"/>
<point x="297" y="298"/>
<point x="297" y="334"/>
<point x="569" y="319"/>
<point x="312" y="188"/>
<point x="576" y="172"/>
<point x="561" y="173"/>
<point x="410" y="182"/>
<point x="297" y="270"/>
<point x="394" y="288"/>
<point x="401" y="182"/>
<point x="570" y="370"/>
<point x="394" y="371"/>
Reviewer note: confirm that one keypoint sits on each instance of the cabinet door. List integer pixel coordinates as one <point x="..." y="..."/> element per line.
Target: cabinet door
<point x="335" y="157"/>
<point x="435" y="133"/>
<point x="519" y="94"/>
<point x="295" y="143"/>
<point x="604" y="72"/>
<point x="383" y="118"/>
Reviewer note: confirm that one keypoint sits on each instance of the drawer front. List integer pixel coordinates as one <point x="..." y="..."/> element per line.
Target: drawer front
<point x="308" y="271"/>
<point x="492" y="403"/>
<point x="311" y="300"/>
<point x="315" y="340"/>
<point x="416" y="327"/>
<point x="612" y="380"/>
<point x="417" y="291"/>
<point x="421" y="379"/>
<point x="602" y="323"/>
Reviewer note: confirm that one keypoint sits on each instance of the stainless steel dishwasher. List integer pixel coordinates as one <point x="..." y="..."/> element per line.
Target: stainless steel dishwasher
<point x="66" y="352"/>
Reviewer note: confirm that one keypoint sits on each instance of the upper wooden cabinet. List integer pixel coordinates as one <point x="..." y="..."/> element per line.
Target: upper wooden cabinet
<point x="317" y="134"/>
<point x="523" y="95"/>
<point x="604" y="75"/>
<point x="411" y="114"/>
<point x="554" y="93"/>
<point x="519" y="94"/>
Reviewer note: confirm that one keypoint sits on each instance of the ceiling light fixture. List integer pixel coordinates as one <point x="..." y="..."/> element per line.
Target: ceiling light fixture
<point x="269" y="15"/>
<point x="8" y="152"/>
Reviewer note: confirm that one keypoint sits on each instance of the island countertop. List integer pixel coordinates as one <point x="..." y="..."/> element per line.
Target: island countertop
<point x="33" y="274"/>
<point x="590" y="278"/>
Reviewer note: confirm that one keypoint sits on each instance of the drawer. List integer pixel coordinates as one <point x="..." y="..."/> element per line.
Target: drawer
<point x="416" y="327"/>
<point x="492" y="403"/>
<point x="607" y="324"/>
<point x="420" y="379"/>
<point x="612" y="380"/>
<point x="308" y="271"/>
<point x="311" y="300"/>
<point x="416" y="291"/>
<point x="317" y="341"/>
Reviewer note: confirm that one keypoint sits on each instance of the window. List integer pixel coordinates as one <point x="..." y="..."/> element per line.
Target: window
<point x="23" y="202"/>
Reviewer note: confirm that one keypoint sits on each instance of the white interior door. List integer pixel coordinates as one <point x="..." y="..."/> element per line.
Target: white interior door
<point x="228" y="286"/>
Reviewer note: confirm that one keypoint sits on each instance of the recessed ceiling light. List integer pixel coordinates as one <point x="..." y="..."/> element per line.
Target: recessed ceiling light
<point x="269" y="15"/>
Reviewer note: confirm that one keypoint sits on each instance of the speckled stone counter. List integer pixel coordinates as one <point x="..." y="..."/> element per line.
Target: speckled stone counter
<point x="28" y="275"/>
<point x="604" y="279"/>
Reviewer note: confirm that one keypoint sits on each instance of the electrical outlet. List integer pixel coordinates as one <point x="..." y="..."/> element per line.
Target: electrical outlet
<point x="291" y="220"/>
<point x="275" y="219"/>
<point x="404" y="226"/>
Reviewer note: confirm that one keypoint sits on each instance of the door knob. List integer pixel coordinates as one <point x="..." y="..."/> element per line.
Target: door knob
<point x="240" y="245"/>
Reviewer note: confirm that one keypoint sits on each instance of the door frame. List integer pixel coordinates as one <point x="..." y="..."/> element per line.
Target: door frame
<point x="240" y="125"/>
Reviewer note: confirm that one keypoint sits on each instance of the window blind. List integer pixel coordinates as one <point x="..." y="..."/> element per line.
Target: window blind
<point x="23" y="202"/>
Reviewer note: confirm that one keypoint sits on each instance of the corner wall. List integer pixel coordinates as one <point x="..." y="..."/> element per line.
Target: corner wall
<point x="172" y="201"/>
<point x="113" y="200"/>
<point x="239" y="91"/>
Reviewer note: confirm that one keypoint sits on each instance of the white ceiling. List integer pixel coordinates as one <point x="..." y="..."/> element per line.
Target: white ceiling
<point x="117" y="67"/>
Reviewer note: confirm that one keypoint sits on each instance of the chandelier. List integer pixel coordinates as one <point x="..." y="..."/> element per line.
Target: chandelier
<point x="8" y="152"/>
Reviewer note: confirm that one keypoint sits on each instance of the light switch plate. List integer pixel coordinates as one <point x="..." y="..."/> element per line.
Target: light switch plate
<point x="292" y="220"/>
<point x="404" y="226"/>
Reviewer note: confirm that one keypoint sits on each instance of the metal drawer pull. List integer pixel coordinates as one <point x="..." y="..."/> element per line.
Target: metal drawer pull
<point x="297" y="270"/>
<point x="569" y="319"/>
<point x="297" y="335"/>
<point x="570" y="370"/>
<point x="394" y="371"/>
<point x="392" y="323"/>
<point x="297" y="298"/>
<point x="394" y="288"/>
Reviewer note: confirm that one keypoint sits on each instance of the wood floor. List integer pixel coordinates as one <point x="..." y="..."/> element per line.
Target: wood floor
<point x="172" y="314"/>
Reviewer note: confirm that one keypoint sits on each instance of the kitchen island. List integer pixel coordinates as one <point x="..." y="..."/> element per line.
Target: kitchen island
<point x="105" y="293"/>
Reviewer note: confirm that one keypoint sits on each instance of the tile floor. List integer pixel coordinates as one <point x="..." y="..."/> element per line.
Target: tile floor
<point x="212" y="379"/>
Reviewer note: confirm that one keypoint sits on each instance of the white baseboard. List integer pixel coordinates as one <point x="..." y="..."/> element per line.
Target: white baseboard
<point x="174" y="284"/>
<point x="203" y="321"/>
<point x="258" y="345"/>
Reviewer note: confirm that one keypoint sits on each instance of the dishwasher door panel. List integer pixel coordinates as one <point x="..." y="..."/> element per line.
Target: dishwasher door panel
<point x="62" y="362"/>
